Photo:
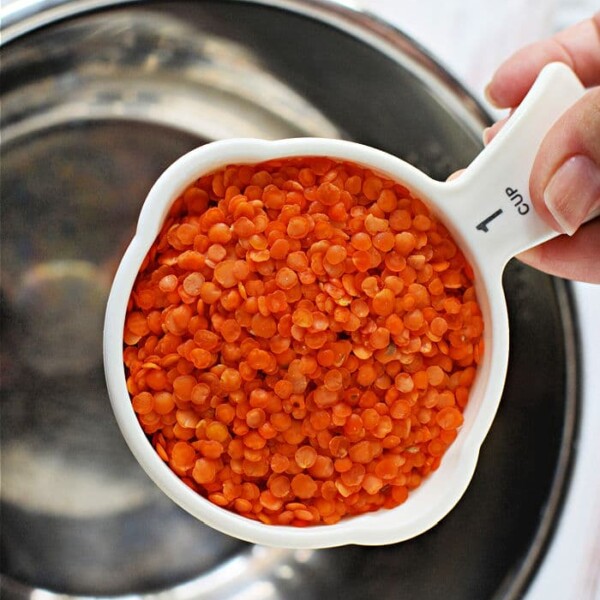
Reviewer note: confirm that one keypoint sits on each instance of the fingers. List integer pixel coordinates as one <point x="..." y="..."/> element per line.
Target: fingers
<point x="574" y="257"/>
<point x="455" y="175"/>
<point x="577" y="46"/>
<point x="490" y="132"/>
<point x="565" y="179"/>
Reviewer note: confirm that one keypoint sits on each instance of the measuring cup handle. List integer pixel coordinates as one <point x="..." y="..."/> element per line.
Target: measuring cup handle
<point x="499" y="218"/>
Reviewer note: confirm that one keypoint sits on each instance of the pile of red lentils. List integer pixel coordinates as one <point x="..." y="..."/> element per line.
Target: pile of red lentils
<point x="301" y="340"/>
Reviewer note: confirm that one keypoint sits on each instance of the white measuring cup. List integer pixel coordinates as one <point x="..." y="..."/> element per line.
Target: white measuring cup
<point x="489" y="213"/>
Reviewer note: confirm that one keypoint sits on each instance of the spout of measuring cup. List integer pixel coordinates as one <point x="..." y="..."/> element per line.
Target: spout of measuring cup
<point x="495" y="212"/>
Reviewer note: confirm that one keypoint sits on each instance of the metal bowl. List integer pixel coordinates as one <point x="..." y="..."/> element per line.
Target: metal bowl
<point x="98" y="98"/>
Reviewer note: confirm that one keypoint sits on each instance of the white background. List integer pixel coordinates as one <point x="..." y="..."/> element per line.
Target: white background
<point x="471" y="38"/>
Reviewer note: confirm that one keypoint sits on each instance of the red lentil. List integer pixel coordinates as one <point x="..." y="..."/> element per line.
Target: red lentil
<point x="301" y="340"/>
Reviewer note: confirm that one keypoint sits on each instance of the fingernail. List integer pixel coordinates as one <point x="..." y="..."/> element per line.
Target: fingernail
<point x="530" y="256"/>
<point x="487" y="92"/>
<point x="572" y="192"/>
<point x="486" y="135"/>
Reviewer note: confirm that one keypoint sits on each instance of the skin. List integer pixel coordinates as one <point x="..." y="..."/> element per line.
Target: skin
<point x="575" y="255"/>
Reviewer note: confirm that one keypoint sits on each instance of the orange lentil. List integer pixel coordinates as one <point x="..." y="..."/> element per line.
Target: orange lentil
<point x="387" y="201"/>
<point x="298" y="227"/>
<point x="372" y="484"/>
<point x="296" y="261"/>
<point x="361" y="452"/>
<point x="304" y="486"/>
<point x="200" y="393"/>
<point x="414" y="320"/>
<point x="322" y="468"/>
<point x="143" y="403"/>
<point x="255" y="418"/>
<point x="375" y="225"/>
<point x="438" y="326"/>
<point x="264" y="327"/>
<point x="164" y="403"/>
<point x="137" y="323"/>
<point x="435" y="375"/>
<point x="336" y="254"/>
<point x="279" y="486"/>
<point x="210" y="293"/>
<point x="302" y="340"/>
<point x="305" y="457"/>
<point x="328" y="193"/>
<point x="333" y="380"/>
<point x="384" y="241"/>
<point x="383" y="302"/>
<point x="190" y="260"/>
<point x="372" y="187"/>
<point x="183" y="455"/>
<point x="303" y="317"/>
<point x="156" y="380"/>
<point x="280" y="249"/>
<point x="231" y="380"/>
<point x="279" y="463"/>
<point x="183" y="386"/>
<point x="422" y="223"/>
<point x="361" y="241"/>
<point x="219" y="233"/>
<point x="449" y="418"/>
<point x="286" y="278"/>
<point x="215" y="254"/>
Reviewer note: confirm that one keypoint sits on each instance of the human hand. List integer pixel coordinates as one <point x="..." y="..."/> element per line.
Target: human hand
<point x="565" y="179"/>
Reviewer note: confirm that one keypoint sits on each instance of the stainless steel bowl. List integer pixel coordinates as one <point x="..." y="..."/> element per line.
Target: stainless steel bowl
<point x="98" y="98"/>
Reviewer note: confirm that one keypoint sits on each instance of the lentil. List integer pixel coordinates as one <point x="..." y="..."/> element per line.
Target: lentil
<point x="301" y="340"/>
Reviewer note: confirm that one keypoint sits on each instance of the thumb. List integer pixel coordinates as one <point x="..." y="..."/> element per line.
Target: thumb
<point x="565" y="180"/>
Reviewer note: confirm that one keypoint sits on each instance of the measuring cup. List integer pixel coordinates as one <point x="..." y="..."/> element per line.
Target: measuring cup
<point x="490" y="215"/>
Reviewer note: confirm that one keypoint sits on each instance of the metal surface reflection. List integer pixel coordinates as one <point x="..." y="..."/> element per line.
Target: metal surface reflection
<point x="95" y="104"/>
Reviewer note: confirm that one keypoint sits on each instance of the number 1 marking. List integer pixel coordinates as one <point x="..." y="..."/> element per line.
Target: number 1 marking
<point x="483" y="226"/>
